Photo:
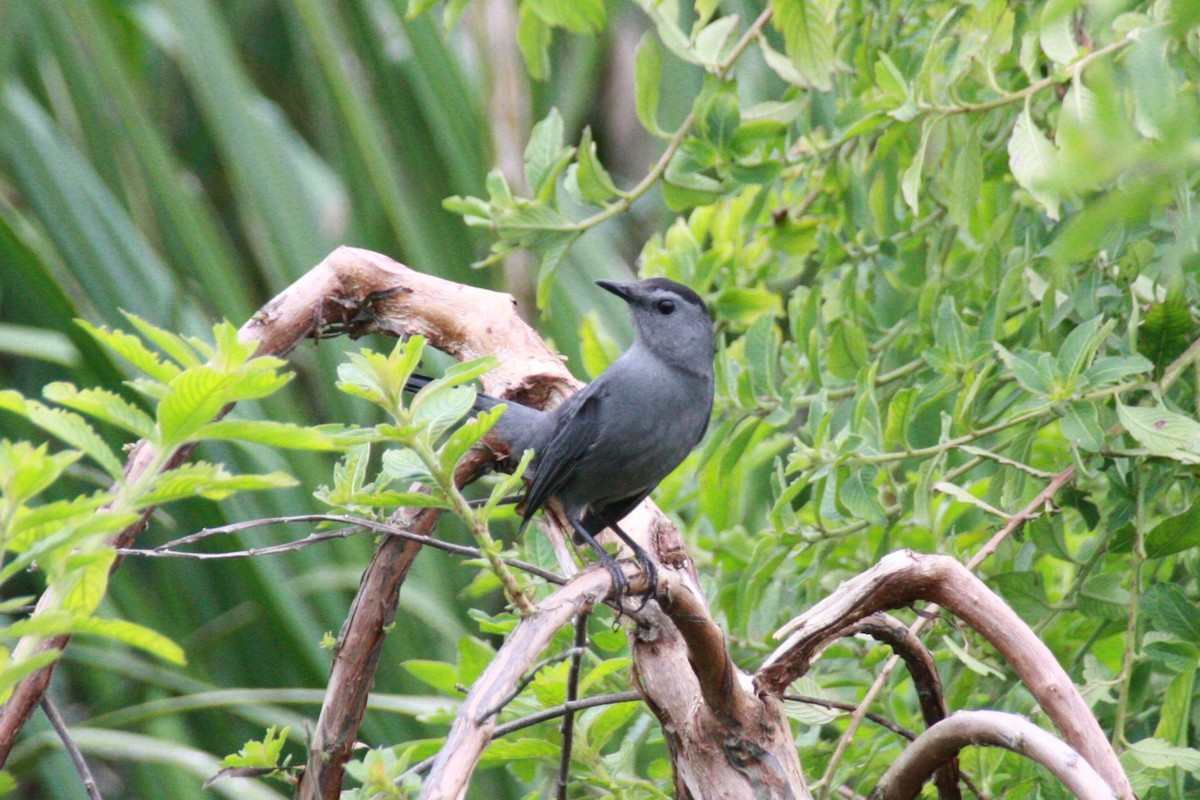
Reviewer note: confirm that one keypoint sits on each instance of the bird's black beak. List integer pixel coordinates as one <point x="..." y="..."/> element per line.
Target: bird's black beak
<point x="621" y="290"/>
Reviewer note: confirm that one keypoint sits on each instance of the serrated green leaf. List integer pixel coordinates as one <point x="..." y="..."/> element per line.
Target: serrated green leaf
<point x="174" y="346"/>
<point x="202" y="479"/>
<point x="54" y="623"/>
<point x="467" y="436"/>
<point x="266" y="432"/>
<point x="405" y="466"/>
<point x="1110" y="370"/>
<point x="75" y="431"/>
<point x="133" y="350"/>
<point x="87" y="580"/>
<point x="103" y="405"/>
<point x="860" y="497"/>
<point x="1168" y="609"/>
<point x="26" y="471"/>
<point x="1025" y="592"/>
<point x="714" y="41"/>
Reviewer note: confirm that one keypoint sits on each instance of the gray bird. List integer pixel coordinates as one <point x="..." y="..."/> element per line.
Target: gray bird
<point x="604" y="449"/>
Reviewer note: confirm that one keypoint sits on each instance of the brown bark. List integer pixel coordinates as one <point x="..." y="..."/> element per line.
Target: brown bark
<point x="901" y="579"/>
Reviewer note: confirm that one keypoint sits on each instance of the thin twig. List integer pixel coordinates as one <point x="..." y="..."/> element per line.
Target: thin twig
<point x="568" y="720"/>
<point x="838" y="705"/>
<point x="64" y="735"/>
<point x="360" y="525"/>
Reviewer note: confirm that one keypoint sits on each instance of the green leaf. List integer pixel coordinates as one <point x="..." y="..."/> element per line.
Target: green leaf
<point x="577" y="16"/>
<point x="1081" y="344"/>
<point x="259" y="755"/>
<point x="1025" y="592"/>
<point x="87" y="579"/>
<point x="544" y="155"/>
<point x="593" y="181"/>
<point x="54" y="623"/>
<point x="504" y="750"/>
<point x="103" y="405"/>
<point x="1167" y="330"/>
<point x="647" y="74"/>
<point x="26" y="471"/>
<point x="209" y="481"/>
<point x="1081" y="426"/>
<point x="273" y="434"/>
<point x="899" y="412"/>
<point x="601" y="728"/>
<point x="858" y="493"/>
<point x="405" y="466"/>
<point x="438" y="675"/>
<point x="1103" y="597"/>
<point x="808" y="34"/>
<point x="718" y="112"/>
<point x="1031" y="159"/>
<point x="1159" y="755"/>
<point x="133" y="350"/>
<point x="1057" y="31"/>
<point x="762" y="355"/>
<point x="910" y="182"/>
<point x="1174" y="534"/>
<point x="1111" y="370"/>
<point x="534" y="39"/>
<point x="847" y="349"/>
<point x="1168" y="609"/>
<point x="1162" y="432"/>
<point x="74" y="430"/>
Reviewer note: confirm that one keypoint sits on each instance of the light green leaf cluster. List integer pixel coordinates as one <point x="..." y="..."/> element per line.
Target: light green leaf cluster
<point x="188" y="382"/>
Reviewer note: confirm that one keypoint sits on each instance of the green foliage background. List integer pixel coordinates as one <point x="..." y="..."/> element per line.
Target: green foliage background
<point x="952" y="252"/>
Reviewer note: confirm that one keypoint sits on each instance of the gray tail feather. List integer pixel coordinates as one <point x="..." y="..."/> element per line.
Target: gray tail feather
<point x="417" y="382"/>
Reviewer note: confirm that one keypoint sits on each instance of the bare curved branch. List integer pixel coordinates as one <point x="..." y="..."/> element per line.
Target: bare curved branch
<point x="942" y="743"/>
<point x="904" y="577"/>
<point x="473" y="727"/>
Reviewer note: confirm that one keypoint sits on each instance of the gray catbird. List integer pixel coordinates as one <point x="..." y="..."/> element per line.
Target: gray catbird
<point x="604" y="449"/>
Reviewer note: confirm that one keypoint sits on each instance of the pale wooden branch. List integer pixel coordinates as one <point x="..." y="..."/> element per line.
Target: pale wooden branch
<point x="473" y="727"/>
<point x="942" y="743"/>
<point x="903" y="578"/>
<point x="1017" y="521"/>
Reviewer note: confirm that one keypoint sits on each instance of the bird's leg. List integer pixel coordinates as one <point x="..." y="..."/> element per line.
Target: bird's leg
<point x="643" y="558"/>
<point x="610" y="564"/>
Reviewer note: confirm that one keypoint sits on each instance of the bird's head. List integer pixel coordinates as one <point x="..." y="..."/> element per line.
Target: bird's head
<point x="670" y="319"/>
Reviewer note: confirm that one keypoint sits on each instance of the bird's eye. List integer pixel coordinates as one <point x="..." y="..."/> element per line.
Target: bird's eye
<point x="666" y="306"/>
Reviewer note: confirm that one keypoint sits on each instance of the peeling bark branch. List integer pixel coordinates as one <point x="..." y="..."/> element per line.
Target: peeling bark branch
<point x="904" y="577"/>
<point x="942" y="743"/>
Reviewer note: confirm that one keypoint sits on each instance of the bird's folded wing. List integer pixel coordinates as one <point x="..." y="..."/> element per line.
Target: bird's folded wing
<point x="576" y="433"/>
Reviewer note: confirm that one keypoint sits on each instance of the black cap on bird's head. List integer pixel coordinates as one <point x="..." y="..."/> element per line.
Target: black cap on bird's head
<point x="670" y="318"/>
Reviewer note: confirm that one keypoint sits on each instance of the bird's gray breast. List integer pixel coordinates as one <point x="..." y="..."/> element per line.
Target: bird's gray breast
<point x="650" y="418"/>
